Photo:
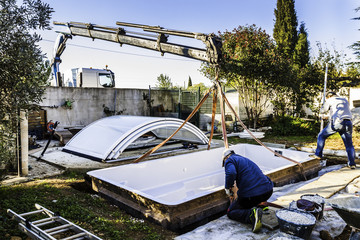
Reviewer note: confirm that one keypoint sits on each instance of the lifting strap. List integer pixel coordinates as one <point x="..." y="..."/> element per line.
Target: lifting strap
<point x="222" y="107"/>
<point x="258" y="141"/>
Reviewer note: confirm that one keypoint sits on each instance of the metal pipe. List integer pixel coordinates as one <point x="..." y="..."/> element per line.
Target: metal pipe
<point x="323" y="100"/>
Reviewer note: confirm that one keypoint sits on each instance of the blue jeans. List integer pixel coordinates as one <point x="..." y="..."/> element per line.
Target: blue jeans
<point x="240" y="208"/>
<point x="344" y="128"/>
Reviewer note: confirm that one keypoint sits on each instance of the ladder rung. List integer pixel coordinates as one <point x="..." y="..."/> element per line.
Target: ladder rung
<point x="59" y="231"/>
<point x="44" y="221"/>
<point x="35" y="233"/>
<point x="50" y="230"/>
<point x="75" y="236"/>
<point x="38" y="233"/>
<point x="29" y="213"/>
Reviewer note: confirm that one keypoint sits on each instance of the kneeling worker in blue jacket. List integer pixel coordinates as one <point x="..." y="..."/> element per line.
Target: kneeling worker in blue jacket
<point x="253" y="188"/>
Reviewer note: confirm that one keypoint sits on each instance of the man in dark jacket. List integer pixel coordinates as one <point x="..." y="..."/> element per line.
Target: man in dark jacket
<point x="253" y="188"/>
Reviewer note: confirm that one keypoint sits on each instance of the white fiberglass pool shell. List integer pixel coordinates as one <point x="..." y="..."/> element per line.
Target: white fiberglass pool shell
<point x="107" y="138"/>
<point x="178" y="179"/>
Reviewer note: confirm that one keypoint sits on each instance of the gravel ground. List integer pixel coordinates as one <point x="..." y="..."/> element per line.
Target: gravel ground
<point x="37" y="169"/>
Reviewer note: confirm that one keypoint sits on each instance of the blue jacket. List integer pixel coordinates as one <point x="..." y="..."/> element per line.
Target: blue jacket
<point x="249" y="178"/>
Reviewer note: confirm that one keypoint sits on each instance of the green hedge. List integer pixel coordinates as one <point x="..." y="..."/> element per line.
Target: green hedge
<point x="293" y="126"/>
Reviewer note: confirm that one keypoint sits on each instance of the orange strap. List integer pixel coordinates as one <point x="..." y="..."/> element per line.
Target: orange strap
<point x="258" y="141"/>
<point x="226" y="144"/>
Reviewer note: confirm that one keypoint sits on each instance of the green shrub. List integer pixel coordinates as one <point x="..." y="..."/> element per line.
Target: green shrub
<point x="292" y="126"/>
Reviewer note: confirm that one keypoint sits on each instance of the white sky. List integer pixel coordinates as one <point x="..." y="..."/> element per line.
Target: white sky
<point x="327" y="21"/>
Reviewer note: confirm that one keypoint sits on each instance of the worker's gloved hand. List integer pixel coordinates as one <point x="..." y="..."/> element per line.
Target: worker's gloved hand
<point x="229" y="192"/>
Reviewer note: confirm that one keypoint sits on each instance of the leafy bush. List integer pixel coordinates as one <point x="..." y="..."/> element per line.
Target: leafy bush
<point x="293" y="126"/>
<point x="7" y="149"/>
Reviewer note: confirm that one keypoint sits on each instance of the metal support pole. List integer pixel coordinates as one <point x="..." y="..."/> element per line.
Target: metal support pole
<point x="324" y="95"/>
<point x="51" y="127"/>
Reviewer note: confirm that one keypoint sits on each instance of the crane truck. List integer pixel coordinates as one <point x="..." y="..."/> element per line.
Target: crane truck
<point x="89" y="77"/>
<point x="78" y="77"/>
<point x="155" y="38"/>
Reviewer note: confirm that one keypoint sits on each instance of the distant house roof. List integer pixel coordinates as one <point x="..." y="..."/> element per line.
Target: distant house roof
<point x="107" y="138"/>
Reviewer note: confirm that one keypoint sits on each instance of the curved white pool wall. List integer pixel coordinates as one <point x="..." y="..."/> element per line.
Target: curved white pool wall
<point x="107" y="138"/>
<point x="178" y="179"/>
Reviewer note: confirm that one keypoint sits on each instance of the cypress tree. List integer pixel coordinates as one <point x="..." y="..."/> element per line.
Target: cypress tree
<point x="285" y="28"/>
<point x="356" y="46"/>
<point x="301" y="52"/>
<point x="189" y="82"/>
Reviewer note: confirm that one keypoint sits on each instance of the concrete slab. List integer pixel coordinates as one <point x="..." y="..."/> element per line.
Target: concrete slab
<point x="224" y="228"/>
<point x="269" y="220"/>
<point x="326" y="186"/>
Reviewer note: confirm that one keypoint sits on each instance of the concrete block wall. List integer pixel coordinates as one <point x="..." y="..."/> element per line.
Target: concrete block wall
<point x="91" y="104"/>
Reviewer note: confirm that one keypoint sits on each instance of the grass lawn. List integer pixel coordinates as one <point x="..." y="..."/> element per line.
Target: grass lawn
<point x="70" y="196"/>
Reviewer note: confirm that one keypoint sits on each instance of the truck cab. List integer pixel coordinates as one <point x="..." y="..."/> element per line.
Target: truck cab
<point x="89" y="77"/>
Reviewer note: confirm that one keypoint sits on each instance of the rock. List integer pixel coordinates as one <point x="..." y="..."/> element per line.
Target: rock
<point x="15" y="238"/>
<point x="325" y="235"/>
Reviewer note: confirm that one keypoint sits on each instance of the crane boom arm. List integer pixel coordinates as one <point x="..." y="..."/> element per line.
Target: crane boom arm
<point x="158" y="42"/>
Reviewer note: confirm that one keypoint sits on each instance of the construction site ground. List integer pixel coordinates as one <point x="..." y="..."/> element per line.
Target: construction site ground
<point x="338" y="181"/>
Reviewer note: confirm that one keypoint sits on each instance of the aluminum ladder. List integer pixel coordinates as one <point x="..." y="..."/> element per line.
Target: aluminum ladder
<point x="60" y="227"/>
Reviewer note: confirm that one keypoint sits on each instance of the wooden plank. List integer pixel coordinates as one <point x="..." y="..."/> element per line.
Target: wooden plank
<point x="326" y="186"/>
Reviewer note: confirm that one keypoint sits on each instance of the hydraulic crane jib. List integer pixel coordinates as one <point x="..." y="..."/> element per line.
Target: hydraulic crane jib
<point x="158" y="42"/>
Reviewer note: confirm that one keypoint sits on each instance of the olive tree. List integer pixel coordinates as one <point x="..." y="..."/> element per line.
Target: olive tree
<point x="336" y="61"/>
<point x="164" y="82"/>
<point x="252" y="66"/>
<point x="23" y="72"/>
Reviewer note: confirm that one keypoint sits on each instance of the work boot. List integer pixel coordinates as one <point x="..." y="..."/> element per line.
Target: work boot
<point x="265" y="209"/>
<point x="255" y="219"/>
<point x="315" y="156"/>
<point x="351" y="166"/>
